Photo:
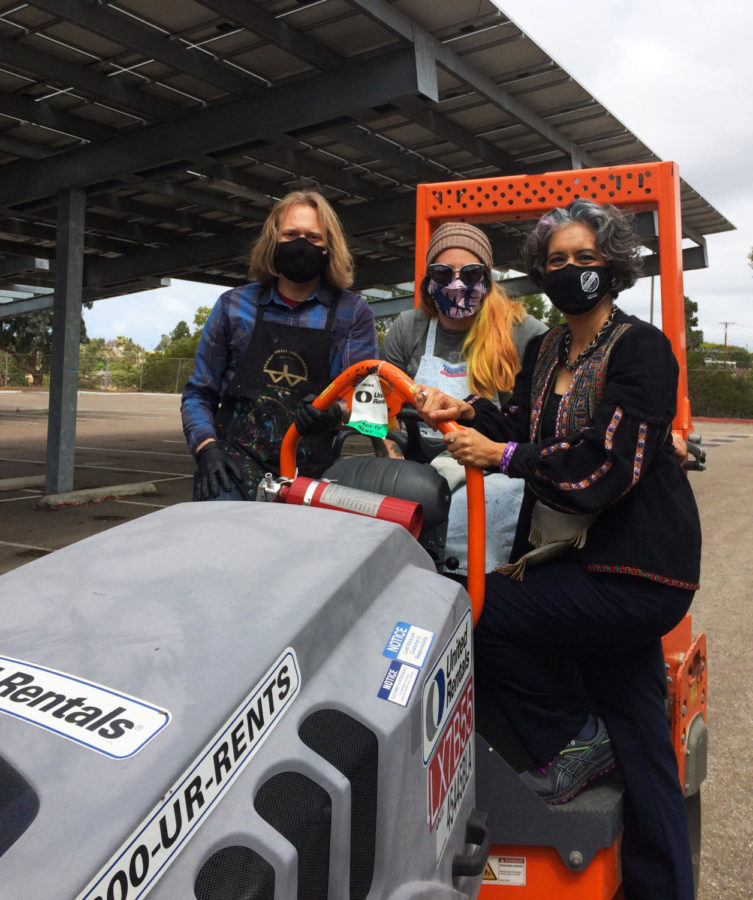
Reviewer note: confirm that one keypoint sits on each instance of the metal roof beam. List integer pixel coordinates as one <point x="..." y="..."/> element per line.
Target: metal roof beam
<point x="241" y="208"/>
<point x="123" y="30"/>
<point x="300" y="164"/>
<point x="204" y="252"/>
<point x="24" y="149"/>
<point x="322" y="57"/>
<point x="692" y="258"/>
<point x="387" y="151"/>
<point x="47" y="300"/>
<point x="400" y="25"/>
<point x="429" y="118"/>
<point x="41" y="227"/>
<point x="18" y="264"/>
<point x="365" y="218"/>
<point x="311" y="101"/>
<point x="22" y="307"/>
<point x="111" y="90"/>
<point x="166" y="215"/>
<point x="277" y="32"/>
<point x="369" y="273"/>
<point x="167" y="260"/>
<point x="46" y="116"/>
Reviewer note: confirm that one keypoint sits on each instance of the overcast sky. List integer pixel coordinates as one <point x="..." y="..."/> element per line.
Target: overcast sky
<point x="677" y="73"/>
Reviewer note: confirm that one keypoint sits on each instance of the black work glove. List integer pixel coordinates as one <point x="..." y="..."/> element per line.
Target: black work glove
<point x="310" y="420"/>
<point x="216" y="468"/>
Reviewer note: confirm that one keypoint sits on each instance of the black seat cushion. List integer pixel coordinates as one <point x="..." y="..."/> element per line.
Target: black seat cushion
<point x="404" y="479"/>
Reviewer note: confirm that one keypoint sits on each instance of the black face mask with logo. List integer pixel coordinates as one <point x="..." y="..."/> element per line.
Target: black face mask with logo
<point x="300" y="261"/>
<point x="577" y="289"/>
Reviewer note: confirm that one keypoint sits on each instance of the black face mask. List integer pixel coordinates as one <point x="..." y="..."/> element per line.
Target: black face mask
<point x="299" y="260"/>
<point x="577" y="289"/>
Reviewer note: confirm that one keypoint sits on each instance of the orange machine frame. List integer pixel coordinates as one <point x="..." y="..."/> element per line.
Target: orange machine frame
<point x="649" y="186"/>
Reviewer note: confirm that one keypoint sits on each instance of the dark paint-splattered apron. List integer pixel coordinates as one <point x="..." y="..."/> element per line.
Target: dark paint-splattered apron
<point x="282" y="365"/>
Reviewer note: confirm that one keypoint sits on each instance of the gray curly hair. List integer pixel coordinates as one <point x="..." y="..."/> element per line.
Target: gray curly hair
<point x="615" y="238"/>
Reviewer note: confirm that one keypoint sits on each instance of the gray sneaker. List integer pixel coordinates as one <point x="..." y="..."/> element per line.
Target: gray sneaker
<point x="571" y="770"/>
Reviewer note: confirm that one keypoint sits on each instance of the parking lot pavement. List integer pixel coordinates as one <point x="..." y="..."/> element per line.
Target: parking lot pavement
<point x="124" y="438"/>
<point x="120" y="439"/>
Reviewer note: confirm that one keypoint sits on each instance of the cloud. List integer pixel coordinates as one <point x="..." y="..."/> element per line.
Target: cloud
<point x="676" y="74"/>
<point x="147" y="315"/>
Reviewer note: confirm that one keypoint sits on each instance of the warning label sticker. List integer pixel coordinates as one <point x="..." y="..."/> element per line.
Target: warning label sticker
<point x="509" y="870"/>
<point x="409" y="643"/>
<point x="88" y="713"/>
<point x="342" y="497"/>
<point x="398" y="683"/>
<point x="146" y="854"/>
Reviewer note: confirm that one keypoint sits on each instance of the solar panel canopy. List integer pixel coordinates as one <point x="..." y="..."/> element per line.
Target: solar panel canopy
<point x="180" y="122"/>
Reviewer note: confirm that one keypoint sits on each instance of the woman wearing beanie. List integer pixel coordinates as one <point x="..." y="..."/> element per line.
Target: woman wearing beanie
<point x="465" y="337"/>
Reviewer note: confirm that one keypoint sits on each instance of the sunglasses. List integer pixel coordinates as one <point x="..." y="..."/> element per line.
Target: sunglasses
<point x="442" y="275"/>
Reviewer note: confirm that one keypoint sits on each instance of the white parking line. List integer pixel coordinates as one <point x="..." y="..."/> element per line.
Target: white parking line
<point x="142" y="452"/>
<point x="25" y="546"/>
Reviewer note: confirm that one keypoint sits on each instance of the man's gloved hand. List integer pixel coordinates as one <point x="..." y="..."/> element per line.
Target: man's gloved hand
<point x="310" y="420"/>
<point x="216" y="468"/>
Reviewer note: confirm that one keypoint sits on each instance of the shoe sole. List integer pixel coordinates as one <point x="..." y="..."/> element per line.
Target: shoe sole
<point x="554" y="801"/>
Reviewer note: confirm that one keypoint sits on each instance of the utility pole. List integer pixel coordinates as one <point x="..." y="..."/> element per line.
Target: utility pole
<point x="725" y="337"/>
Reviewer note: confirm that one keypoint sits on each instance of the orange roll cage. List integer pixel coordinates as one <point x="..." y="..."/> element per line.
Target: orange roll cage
<point x="648" y="186"/>
<point x="398" y="389"/>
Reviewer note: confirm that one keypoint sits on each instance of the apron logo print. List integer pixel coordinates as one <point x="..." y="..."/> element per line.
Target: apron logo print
<point x="286" y="365"/>
<point x="277" y="377"/>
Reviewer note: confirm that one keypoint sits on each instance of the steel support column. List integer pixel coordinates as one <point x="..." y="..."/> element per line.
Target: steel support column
<point x="66" y="337"/>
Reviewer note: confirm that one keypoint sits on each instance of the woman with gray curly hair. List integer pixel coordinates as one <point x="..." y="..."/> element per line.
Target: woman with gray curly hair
<point x="607" y="549"/>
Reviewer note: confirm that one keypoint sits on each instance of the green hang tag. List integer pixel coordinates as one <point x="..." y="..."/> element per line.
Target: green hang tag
<point x="369" y="408"/>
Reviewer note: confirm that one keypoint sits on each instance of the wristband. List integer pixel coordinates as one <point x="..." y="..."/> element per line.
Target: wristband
<point x="507" y="453"/>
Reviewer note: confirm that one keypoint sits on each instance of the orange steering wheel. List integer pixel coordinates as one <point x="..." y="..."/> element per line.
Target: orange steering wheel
<point x="399" y="389"/>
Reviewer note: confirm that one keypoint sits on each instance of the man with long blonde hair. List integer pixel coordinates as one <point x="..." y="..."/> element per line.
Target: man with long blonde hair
<point x="269" y="345"/>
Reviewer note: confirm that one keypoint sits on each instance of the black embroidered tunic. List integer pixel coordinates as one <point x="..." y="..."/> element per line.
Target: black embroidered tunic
<point x="611" y="452"/>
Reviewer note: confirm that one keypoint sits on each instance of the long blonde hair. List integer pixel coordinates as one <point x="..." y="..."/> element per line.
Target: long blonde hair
<point x="488" y="349"/>
<point x="339" y="271"/>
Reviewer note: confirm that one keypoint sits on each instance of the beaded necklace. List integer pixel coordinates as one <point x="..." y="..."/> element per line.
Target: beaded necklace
<point x="567" y="339"/>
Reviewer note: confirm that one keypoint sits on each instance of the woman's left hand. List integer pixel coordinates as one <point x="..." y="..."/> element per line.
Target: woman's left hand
<point x="470" y="448"/>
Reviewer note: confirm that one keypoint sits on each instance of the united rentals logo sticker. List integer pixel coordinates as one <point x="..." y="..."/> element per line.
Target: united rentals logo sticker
<point x="286" y="368"/>
<point x="445" y="684"/>
<point x="589" y="282"/>
<point x="87" y="713"/>
<point x="147" y="853"/>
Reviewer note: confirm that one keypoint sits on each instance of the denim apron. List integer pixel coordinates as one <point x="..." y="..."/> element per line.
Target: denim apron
<point x="502" y="495"/>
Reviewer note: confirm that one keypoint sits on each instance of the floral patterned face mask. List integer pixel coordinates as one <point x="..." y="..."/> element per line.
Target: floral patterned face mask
<point x="457" y="300"/>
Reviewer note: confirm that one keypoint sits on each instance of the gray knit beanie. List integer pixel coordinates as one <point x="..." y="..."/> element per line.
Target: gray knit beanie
<point x="463" y="236"/>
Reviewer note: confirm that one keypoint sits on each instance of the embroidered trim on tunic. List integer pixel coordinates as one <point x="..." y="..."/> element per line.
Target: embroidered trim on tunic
<point x="612" y="428"/>
<point x="587" y="383"/>
<point x="642" y="573"/>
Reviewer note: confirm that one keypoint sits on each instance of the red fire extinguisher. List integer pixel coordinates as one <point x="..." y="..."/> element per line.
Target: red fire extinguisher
<point x="329" y="495"/>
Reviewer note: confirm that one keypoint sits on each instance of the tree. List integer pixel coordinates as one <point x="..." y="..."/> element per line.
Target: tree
<point x="180" y="331"/>
<point x="200" y="319"/>
<point x="29" y="340"/>
<point x="540" y="308"/>
<point x="693" y="334"/>
<point x="536" y="305"/>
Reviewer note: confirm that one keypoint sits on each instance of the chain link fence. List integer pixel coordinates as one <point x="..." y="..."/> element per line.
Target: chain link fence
<point x="152" y="374"/>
